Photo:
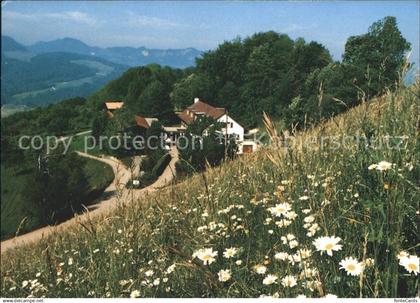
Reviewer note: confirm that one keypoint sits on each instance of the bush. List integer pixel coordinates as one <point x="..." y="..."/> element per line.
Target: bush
<point x="161" y="165"/>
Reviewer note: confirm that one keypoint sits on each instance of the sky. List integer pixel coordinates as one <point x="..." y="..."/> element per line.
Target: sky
<point x="200" y="24"/>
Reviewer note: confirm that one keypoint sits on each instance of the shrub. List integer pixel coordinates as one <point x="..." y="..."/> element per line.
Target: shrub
<point x="161" y="165"/>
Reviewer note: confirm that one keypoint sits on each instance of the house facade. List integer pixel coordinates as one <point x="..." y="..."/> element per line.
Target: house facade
<point x="198" y="109"/>
<point x="220" y="114"/>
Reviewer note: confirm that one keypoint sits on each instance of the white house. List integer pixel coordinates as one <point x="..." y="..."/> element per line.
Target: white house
<point x="220" y="114"/>
<point x="233" y="127"/>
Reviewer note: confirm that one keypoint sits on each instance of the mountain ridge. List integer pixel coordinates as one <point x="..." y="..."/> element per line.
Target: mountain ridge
<point x="127" y="55"/>
<point x="10" y="44"/>
<point x="37" y="79"/>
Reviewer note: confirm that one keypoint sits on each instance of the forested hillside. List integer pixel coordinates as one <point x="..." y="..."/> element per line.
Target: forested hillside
<point x="40" y="187"/>
<point x="270" y="72"/>
<point x="37" y="80"/>
<point x="145" y="90"/>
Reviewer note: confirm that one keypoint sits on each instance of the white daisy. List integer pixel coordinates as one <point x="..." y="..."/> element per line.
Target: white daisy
<point x="291" y="215"/>
<point x="281" y="256"/>
<point x="328" y="244"/>
<point x="230" y="252"/>
<point x="351" y="266"/>
<point x="206" y="255"/>
<point x="135" y="294"/>
<point x="224" y="275"/>
<point x="149" y="273"/>
<point x="372" y="166"/>
<point x="401" y="254"/>
<point x="171" y="268"/>
<point x="269" y="279"/>
<point x="410" y="263"/>
<point x="309" y="219"/>
<point x="290" y="237"/>
<point x="383" y="166"/>
<point x="289" y="281"/>
<point x="293" y="244"/>
<point x="280" y="209"/>
<point x="260" y="269"/>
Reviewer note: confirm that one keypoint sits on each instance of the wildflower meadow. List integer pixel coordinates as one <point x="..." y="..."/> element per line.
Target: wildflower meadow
<point x="283" y="222"/>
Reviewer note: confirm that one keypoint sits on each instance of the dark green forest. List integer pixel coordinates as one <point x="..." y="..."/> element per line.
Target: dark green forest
<point x="294" y="81"/>
<point x="269" y="72"/>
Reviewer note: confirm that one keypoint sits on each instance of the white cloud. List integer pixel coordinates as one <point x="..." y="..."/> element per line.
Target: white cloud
<point x="71" y="16"/>
<point x="142" y="21"/>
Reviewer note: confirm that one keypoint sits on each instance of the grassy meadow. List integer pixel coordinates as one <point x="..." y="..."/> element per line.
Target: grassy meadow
<point x="18" y="215"/>
<point x="306" y="221"/>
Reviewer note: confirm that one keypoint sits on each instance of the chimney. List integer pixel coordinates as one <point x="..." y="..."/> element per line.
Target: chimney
<point x="196" y="100"/>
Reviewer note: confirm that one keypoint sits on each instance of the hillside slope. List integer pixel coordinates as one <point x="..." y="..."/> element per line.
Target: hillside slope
<point x="247" y="228"/>
<point x="30" y="79"/>
<point x="9" y="44"/>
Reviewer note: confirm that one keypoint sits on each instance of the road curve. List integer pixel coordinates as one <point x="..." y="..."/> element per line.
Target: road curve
<point x="106" y="203"/>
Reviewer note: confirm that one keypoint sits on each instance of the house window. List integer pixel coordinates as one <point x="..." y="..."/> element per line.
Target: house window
<point x="231" y="124"/>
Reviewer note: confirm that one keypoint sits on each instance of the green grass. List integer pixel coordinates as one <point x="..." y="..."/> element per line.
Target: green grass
<point x="373" y="212"/>
<point x="14" y="206"/>
<point x="99" y="174"/>
<point x="78" y="144"/>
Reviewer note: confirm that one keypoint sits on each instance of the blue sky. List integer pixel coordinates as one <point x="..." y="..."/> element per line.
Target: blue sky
<point x="202" y="25"/>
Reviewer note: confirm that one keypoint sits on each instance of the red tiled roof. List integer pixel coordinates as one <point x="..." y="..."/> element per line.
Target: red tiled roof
<point x="144" y="122"/>
<point x="141" y="122"/>
<point x="113" y="105"/>
<point x="201" y="107"/>
<point x="185" y="117"/>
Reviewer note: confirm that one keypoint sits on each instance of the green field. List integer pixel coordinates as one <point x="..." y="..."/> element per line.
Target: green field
<point x="14" y="207"/>
<point x="265" y="224"/>
<point x="102" y="70"/>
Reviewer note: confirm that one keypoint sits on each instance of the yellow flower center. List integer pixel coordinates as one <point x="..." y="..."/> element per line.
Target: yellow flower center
<point x="329" y="246"/>
<point x="351" y="267"/>
<point x="412" y="266"/>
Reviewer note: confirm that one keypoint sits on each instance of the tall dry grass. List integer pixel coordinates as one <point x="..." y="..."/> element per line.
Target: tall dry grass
<point x="147" y="248"/>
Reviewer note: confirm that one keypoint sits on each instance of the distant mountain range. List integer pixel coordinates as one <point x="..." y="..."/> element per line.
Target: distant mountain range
<point x="130" y="56"/>
<point x="47" y="72"/>
<point x="29" y="79"/>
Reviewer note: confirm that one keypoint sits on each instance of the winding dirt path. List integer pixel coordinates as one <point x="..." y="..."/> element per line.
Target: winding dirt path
<point x="113" y="194"/>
